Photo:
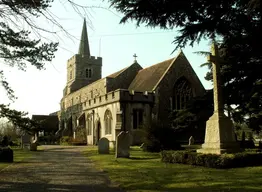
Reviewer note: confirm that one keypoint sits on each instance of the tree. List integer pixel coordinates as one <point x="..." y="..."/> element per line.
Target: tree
<point x="191" y="120"/>
<point x="236" y="24"/>
<point x="19" y="49"/>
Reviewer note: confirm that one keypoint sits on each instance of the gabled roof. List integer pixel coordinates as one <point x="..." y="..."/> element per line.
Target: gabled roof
<point x="114" y="75"/>
<point x="147" y="79"/>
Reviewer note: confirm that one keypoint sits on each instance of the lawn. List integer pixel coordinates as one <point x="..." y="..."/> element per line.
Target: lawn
<point x="144" y="172"/>
<point x="19" y="155"/>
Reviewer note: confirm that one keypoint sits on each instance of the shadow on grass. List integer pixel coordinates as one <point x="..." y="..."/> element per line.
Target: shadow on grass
<point x="143" y="158"/>
<point x="145" y="172"/>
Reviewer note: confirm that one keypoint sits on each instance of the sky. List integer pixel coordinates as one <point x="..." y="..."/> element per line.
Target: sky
<point x="40" y="91"/>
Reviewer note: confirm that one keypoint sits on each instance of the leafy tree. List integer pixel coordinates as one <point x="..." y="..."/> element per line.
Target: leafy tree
<point x="238" y="27"/>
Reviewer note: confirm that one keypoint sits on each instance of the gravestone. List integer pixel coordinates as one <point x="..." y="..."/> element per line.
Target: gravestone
<point x="25" y="141"/>
<point x="123" y="145"/>
<point x="6" y="154"/>
<point x="103" y="146"/>
<point x="220" y="135"/>
<point x="191" y="140"/>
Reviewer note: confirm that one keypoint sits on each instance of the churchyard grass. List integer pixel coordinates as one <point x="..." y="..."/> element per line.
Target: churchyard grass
<point x="19" y="155"/>
<point x="144" y="172"/>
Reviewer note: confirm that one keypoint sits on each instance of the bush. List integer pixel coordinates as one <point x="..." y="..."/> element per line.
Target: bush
<point x="160" y="138"/>
<point x="212" y="160"/>
<point x="65" y="140"/>
<point x="247" y="143"/>
<point x="78" y="142"/>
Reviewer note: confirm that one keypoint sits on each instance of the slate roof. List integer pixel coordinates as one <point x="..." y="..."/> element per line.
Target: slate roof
<point x="148" y="78"/>
<point x="114" y="75"/>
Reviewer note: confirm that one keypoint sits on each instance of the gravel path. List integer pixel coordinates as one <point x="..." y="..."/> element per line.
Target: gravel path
<point x="57" y="168"/>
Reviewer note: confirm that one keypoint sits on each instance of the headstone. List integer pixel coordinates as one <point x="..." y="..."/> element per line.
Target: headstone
<point x="220" y="135"/>
<point x="6" y="154"/>
<point x="103" y="146"/>
<point x="33" y="147"/>
<point x="122" y="145"/>
<point x="25" y="141"/>
<point x="191" y="140"/>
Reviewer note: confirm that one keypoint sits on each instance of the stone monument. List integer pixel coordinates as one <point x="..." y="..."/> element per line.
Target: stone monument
<point x="6" y="153"/>
<point x="123" y="145"/>
<point x="191" y="140"/>
<point x="103" y="146"/>
<point x="220" y="135"/>
<point x="25" y="141"/>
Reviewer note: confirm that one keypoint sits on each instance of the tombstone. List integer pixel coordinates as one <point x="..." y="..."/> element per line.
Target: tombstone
<point x="122" y="145"/>
<point x="33" y="147"/>
<point x="103" y="146"/>
<point x="191" y="140"/>
<point x="6" y="154"/>
<point x="25" y="141"/>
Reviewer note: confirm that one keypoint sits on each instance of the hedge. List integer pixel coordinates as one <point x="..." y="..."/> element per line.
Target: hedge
<point x="222" y="161"/>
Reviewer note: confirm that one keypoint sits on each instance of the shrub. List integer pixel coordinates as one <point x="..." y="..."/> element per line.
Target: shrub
<point x="65" y="140"/>
<point x="212" y="160"/>
<point x="78" y="142"/>
<point x="158" y="137"/>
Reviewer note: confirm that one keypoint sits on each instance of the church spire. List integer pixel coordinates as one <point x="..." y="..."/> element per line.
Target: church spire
<point x="84" y="44"/>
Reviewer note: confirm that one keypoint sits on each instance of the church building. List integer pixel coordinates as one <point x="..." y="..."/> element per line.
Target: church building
<point x="93" y="107"/>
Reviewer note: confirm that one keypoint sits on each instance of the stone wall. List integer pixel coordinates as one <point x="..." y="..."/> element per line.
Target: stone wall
<point x="78" y="65"/>
<point x="96" y="107"/>
<point x="98" y="116"/>
<point x="180" y="68"/>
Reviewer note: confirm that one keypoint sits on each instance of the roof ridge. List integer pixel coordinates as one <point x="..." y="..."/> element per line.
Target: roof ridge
<point x="171" y="63"/>
<point x="120" y="71"/>
<point x="157" y="63"/>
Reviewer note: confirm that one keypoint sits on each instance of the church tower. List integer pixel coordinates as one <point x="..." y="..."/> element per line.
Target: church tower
<point x="82" y="68"/>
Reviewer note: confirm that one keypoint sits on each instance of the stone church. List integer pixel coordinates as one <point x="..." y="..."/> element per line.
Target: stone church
<point x="125" y="100"/>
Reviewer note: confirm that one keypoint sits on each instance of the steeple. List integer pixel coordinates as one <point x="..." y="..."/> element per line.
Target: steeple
<point x="84" y="44"/>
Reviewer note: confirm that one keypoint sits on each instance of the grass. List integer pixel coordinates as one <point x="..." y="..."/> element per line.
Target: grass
<point x="144" y="172"/>
<point x="19" y="155"/>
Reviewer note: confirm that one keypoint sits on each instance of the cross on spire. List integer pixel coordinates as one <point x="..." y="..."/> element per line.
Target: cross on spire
<point x="135" y="56"/>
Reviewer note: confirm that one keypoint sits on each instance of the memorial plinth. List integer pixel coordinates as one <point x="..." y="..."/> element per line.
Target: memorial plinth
<point x="220" y="135"/>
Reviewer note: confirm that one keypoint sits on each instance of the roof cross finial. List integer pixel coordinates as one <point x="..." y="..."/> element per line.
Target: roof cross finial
<point x="135" y="56"/>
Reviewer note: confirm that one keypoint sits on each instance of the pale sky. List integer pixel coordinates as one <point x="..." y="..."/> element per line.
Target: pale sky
<point x="39" y="92"/>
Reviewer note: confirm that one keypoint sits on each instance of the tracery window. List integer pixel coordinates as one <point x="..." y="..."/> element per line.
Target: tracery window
<point x="182" y="93"/>
<point x="108" y="122"/>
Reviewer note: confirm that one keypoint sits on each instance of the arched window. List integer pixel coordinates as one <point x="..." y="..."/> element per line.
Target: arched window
<point x="88" y="73"/>
<point x="108" y="122"/>
<point x="89" y="125"/>
<point x="182" y="93"/>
